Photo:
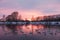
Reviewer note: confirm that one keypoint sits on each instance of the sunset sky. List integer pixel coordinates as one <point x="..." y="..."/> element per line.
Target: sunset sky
<point x="29" y="8"/>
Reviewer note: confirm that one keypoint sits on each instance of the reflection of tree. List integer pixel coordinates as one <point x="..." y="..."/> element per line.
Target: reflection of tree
<point x="39" y="27"/>
<point x="3" y="28"/>
<point x="20" y="27"/>
<point x="46" y="31"/>
<point x="31" y="29"/>
<point x="12" y="28"/>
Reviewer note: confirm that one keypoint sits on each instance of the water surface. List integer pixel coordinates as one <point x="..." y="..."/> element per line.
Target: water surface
<point x="29" y="32"/>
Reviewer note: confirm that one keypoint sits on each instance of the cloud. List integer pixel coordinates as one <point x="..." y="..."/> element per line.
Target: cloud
<point x="25" y="13"/>
<point x="28" y="4"/>
<point x="43" y="7"/>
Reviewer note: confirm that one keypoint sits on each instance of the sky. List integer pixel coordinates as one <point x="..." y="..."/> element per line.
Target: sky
<point x="29" y="8"/>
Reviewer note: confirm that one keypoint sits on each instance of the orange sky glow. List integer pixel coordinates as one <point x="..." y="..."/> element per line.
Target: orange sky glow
<point x="24" y="13"/>
<point x="29" y="8"/>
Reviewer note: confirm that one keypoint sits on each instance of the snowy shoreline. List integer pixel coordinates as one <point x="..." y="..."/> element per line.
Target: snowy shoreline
<point x="44" y="23"/>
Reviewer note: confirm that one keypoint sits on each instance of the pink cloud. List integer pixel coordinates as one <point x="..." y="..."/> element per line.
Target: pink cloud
<point x="25" y="13"/>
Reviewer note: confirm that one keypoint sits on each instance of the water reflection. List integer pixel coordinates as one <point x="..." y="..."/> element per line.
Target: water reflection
<point x="12" y="28"/>
<point x="29" y="32"/>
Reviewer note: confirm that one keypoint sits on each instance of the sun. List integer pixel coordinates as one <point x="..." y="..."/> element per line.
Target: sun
<point x="29" y="13"/>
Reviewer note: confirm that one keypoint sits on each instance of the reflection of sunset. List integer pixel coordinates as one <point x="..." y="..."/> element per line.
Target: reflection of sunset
<point x="40" y="27"/>
<point x="30" y="28"/>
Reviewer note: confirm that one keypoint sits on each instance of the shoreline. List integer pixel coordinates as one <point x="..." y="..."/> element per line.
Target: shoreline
<point x="35" y="23"/>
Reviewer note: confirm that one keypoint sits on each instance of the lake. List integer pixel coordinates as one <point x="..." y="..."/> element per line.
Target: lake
<point x="29" y="32"/>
